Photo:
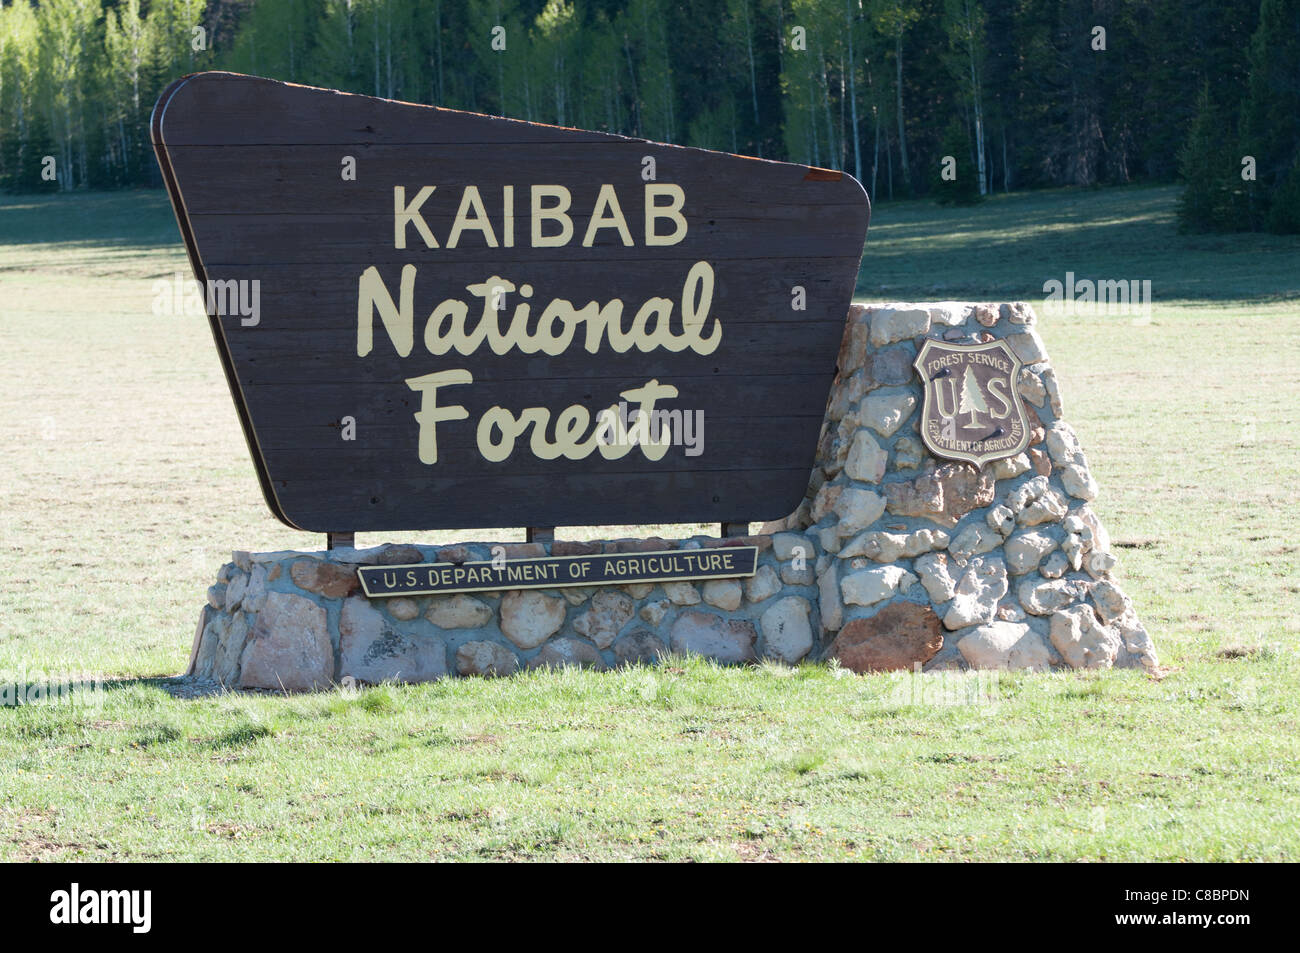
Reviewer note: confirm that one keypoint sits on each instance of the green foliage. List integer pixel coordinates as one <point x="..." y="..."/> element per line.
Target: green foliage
<point x="1215" y="197"/>
<point x="962" y="188"/>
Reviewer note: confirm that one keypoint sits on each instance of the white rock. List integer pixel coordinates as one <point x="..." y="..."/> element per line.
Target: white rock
<point x="885" y="412"/>
<point x="654" y="612"/>
<point x="371" y="652"/>
<point x="829" y="601"/>
<point x="458" y="611"/>
<point x="897" y="324"/>
<point x="976" y="599"/>
<point x="1044" y="598"/>
<point x="762" y="585"/>
<point x="1097" y="564"/>
<point x="867" y="459"/>
<point x="1063" y="445"/>
<point x="869" y="586"/>
<point x="529" y="618"/>
<point x="723" y="593"/>
<point x="1007" y="646"/>
<point x="1028" y="346"/>
<point x="1008" y="468"/>
<point x="1025" y="550"/>
<point x="681" y="593"/>
<point x="1110" y="601"/>
<point x="610" y="611"/>
<point x="1082" y="640"/>
<point x="787" y="631"/>
<point x="1051" y="507"/>
<point x="857" y="509"/>
<point x="936" y="572"/>
<point x="702" y="633"/>
<point x="1054" y="566"/>
<point x="974" y="540"/>
<point x="1031" y="387"/>
<point x="235" y="591"/>
<point x="951" y="314"/>
<point x="1001" y="519"/>
<point x="401" y="609"/>
<point x="1079" y="482"/>
<point x="289" y="646"/>
<point x="789" y="545"/>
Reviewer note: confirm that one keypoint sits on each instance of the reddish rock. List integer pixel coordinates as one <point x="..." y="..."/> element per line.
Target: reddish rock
<point x="1041" y="461"/>
<point x="571" y="547"/>
<point x="762" y="542"/>
<point x="899" y="636"/>
<point x="524" y="550"/>
<point x="454" y="554"/>
<point x="395" y="555"/>
<point x="289" y="647"/>
<point x="985" y="315"/>
<point x="331" y="580"/>
<point x="943" y="495"/>
<point x="652" y="545"/>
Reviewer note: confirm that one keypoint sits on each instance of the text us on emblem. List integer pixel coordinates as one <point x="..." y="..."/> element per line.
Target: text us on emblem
<point x="972" y="410"/>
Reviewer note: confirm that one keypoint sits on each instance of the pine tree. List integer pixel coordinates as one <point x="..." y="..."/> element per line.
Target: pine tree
<point x="971" y="400"/>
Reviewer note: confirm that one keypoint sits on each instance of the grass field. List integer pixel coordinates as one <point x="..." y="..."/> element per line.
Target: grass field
<point x="126" y="484"/>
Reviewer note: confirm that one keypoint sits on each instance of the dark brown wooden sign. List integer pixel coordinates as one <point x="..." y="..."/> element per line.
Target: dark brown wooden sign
<point x="553" y="572"/>
<point x="433" y="319"/>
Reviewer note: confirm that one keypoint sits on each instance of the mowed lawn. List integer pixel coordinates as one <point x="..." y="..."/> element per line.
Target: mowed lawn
<point x="126" y="484"/>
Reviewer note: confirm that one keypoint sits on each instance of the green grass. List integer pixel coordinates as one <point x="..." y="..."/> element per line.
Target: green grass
<point x="126" y="484"/>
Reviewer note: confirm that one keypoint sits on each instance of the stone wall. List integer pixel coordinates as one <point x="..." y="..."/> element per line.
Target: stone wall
<point x="895" y="559"/>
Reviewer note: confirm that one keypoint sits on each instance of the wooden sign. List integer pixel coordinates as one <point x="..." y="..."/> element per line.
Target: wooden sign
<point x="433" y="319"/>
<point x="552" y="572"/>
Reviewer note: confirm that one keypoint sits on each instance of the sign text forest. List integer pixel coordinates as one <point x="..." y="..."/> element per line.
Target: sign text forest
<point x="468" y="321"/>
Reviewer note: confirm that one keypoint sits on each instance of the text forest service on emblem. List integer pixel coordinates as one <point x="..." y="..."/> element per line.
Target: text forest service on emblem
<point x="972" y="410"/>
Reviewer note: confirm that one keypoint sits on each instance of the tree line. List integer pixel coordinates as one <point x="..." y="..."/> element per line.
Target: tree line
<point x="1013" y="94"/>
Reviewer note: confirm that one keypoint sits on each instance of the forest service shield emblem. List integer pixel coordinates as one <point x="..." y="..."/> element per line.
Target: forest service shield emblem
<point x="972" y="410"/>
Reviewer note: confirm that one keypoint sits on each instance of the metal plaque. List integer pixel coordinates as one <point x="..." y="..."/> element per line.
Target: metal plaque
<point x="972" y="409"/>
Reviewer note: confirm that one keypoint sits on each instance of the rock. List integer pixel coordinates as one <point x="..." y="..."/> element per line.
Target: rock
<point x="1001" y="520"/>
<point x="488" y="659"/>
<point x="900" y="636"/>
<point x="681" y="593"/>
<point x="255" y="594"/>
<point x="289" y="647"/>
<point x="454" y="554"/>
<point x="217" y="596"/>
<point x="981" y="587"/>
<point x="975" y="540"/>
<point x="529" y="550"/>
<point x="235" y="591"/>
<point x="869" y="586"/>
<point x="639" y="590"/>
<point x="1028" y="346"/>
<point x="1008" y="468"/>
<point x="1025" y="550"/>
<point x="1110" y="601"/>
<point x="1053" y="393"/>
<point x="371" y="652"/>
<point x="654" y="612"/>
<point x="1031" y="388"/>
<point x="950" y="314"/>
<point x="1018" y="312"/>
<point x="573" y="547"/>
<point x="1041" y="461"/>
<point x="943" y="496"/>
<point x="889" y="547"/>
<point x="1044" y="598"/>
<point x="331" y="580"/>
<point x="1099" y="565"/>
<point x="403" y="610"/>
<point x="529" y="618"/>
<point x="828" y="598"/>
<point x="1055" y="566"/>
<point x="867" y="459"/>
<point x="639" y="646"/>
<point x="1007" y="646"/>
<point x="825" y="501"/>
<point x="892" y="366"/>
<point x="1063" y="445"/>
<point x="908" y="453"/>
<point x="787" y="630"/>
<point x="762" y="585"/>
<point x="885" y="412"/>
<point x="232" y="643"/>
<point x="459" y="611"/>
<point x="1073" y="547"/>
<point x="985" y="315"/>
<point x="610" y="611"/>
<point x="897" y="324"/>
<point x="1136" y="640"/>
<point x="936" y="572"/>
<point x="725" y="640"/>
<point x="789" y="545"/>
<point x="858" y="509"/>
<point x="1011" y="612"/>
<point x="796" y="577"/>
<point x="577" y="595"/>
<point x="392" y="554"/>
<point x="1079" y="482"/>
<point x="1082" y="640"/>
<point x="243" y="560"/>
<point x="567" y="653"/>
<point x="1048" y="508"/>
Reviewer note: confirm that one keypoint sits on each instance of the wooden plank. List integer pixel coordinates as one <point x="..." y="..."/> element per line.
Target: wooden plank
<point x="253" y="169"/>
